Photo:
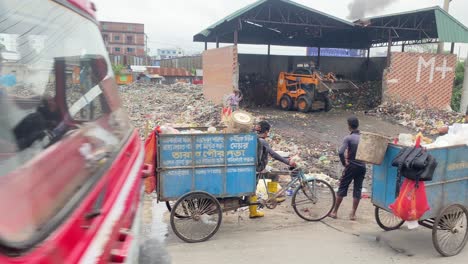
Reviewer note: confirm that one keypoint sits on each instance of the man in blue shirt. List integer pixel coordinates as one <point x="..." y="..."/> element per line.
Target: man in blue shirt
<point x="355" y="171"/>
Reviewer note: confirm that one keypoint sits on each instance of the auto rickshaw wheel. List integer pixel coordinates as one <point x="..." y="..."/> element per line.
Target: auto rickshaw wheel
<point x="449" y="233"/>
<point x="199" y="217"/>
<point x="386" y="220"/>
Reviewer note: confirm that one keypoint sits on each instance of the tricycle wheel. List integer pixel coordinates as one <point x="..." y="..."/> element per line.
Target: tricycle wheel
<point x="386" y="220"/>
<point x="196" y="217"/>
<point x="314" y="200"/>
<point x="449" y="233"/>
<point x="170" y="205"/>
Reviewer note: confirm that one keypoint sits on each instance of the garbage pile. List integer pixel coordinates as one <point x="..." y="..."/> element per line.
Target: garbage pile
<point x="180" y="105"/>
<point x="367" y="95"/>
<point x="426" y="121"/>
<point x="315" y="157"/>
<point x="257" y="90"/>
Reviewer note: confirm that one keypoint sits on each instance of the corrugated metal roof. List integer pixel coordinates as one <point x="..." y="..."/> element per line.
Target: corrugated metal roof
<point x="450" y="29"/>
<point x="318" y="12"/>
<point x="230" y="17"/>
<point x="248" y="8"/>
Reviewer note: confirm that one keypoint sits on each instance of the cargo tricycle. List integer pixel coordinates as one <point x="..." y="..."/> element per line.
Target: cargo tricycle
<point x="447" y="195"/>
<point x="207" y="174"/>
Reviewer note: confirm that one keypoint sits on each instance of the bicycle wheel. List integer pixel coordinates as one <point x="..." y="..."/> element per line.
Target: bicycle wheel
<point x="449" y="233"/>
<point x="387" y="221"/>
<point x="199" y="217"/>
<point x="313" y="200"/>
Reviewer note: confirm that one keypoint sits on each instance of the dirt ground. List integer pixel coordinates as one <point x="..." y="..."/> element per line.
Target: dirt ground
<point x="320" y="134"/>
<point x="281" y="236"/>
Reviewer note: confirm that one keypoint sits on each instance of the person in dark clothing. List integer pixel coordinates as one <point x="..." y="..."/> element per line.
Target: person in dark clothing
<point x="264" y="150"/>
<point x="355" y="171"/>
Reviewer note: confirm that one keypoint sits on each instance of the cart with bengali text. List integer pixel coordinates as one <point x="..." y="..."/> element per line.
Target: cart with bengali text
<point x="204" y="174"/>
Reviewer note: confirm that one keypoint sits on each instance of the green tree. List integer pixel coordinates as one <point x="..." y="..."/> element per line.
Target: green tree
<point x="458" y="86"/>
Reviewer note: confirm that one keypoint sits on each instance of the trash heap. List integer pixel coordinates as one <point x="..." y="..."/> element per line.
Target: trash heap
<point x="177" y="105"/>
<point x="367" y="95"/>
<point x="257" y="90"/>
<point x="314" y="157"/>
<point x="426" y="121"/>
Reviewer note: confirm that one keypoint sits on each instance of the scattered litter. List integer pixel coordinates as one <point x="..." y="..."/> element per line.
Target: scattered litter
<point x="427" y="121"/>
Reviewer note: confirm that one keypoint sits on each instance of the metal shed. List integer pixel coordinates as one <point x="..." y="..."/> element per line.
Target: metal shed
<point x="286" y="23"/>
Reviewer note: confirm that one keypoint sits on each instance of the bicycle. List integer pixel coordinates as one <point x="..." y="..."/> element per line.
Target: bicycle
<point x="312" y="200"/>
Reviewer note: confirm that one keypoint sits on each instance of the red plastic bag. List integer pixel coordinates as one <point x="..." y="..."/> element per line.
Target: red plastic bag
<point x="150" y="158"/>
<point x="411" y="203"/>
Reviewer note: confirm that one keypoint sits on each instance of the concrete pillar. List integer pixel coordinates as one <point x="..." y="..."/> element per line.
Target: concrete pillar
<point x="206" y="45"/>
<point x="318" y="57"/>
<point x="464" y="99"/>
<point x="236" y="37"/>
<point x="367" y="64"/>
<point x="389" y="49"/>
<point x="440" y="48"/>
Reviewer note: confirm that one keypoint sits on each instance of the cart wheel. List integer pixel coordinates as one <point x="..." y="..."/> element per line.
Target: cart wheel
<point x="196" y="217"/>
<point x="170" y="205"/>
<point x="449" y="233"/>
<point x="387" y="221"/>
<point x="314" y="200"/>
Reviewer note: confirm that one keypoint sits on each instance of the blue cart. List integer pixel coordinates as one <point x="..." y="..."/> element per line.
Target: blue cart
<point x="205" y="174"/>
<point x="447" y="196"/>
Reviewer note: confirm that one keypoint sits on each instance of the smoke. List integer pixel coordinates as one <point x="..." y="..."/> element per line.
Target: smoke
<point x="360" y="8"/>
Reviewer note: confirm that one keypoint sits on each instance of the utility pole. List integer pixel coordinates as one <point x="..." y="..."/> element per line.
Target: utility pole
<point x="440" y="48"/>
<point x="464" y="99"/>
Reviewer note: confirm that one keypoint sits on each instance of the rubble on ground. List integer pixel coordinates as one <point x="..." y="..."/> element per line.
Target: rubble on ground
<point x="426" y="121"/>
<point x="367" y="95"/>
<point x="180" y="105"/>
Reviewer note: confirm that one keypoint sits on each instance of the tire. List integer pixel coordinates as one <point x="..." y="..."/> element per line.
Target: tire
<point x="286" y="103"/>
<point x="450" y="227"/>
<point x="315" y="188"/>
<point x="328" y="104"/>
<point x="170" y="205"/>
<point x="199" y="212"/>
<point x="387" y="221"/>
<point x="304" y="104"/>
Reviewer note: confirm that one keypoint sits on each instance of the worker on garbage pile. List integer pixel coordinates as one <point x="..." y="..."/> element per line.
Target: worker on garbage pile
<point x="354" y="171"/>
<point x="264" y="149"/>
<point x="446" y="130"/>
<point x="234" y="100"/>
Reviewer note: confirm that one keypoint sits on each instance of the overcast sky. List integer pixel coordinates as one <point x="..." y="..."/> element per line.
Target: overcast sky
<point x="172" y="23"/>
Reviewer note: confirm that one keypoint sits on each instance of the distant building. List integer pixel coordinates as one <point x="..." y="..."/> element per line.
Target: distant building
<point x="170" y="53"/>
<point x="125" y="42"/>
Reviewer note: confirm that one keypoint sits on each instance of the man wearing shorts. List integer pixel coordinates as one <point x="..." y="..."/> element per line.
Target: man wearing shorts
<point x="355" y="171"/>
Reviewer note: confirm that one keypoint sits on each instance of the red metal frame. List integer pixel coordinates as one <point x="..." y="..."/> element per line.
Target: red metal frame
<point x="71" y="240"/>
